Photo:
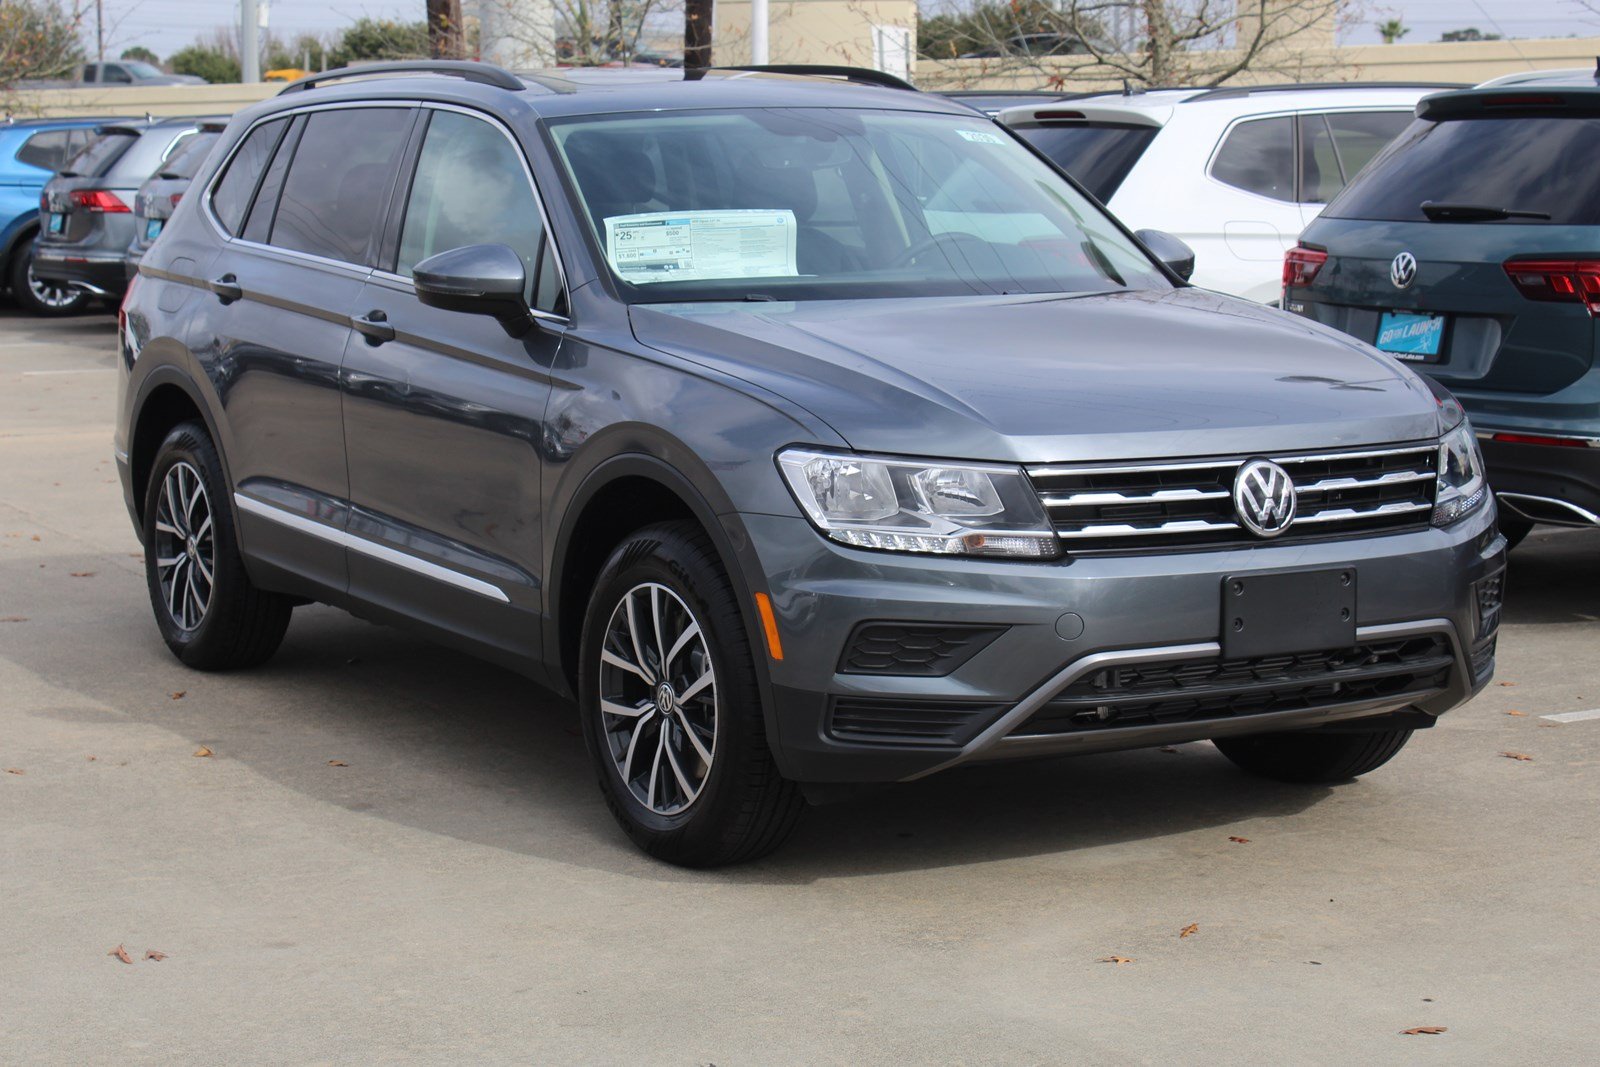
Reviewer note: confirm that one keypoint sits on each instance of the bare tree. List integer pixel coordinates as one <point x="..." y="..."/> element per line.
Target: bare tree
<point x="1142" y="42"/>
<point x="39" y="39"/>
<point x="576" y="32"/>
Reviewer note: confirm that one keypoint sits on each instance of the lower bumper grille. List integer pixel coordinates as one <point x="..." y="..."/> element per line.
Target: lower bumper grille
<point x="1149" y="694"/>
<point x="908" y="720"/>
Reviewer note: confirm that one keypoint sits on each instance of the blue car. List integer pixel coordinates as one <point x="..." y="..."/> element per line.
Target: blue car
<point x="30" y="153"/>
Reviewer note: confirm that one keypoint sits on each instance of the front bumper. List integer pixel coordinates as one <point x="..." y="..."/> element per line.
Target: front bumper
<point x="99" y="273"/>
<point x="1060" y="622"/>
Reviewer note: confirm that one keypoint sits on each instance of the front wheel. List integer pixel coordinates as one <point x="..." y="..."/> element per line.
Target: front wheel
<point x="39" y="296"/>
<point x="210" y="614"/>
<point x="1312" y="757"/>
<point x="671" y="711"/>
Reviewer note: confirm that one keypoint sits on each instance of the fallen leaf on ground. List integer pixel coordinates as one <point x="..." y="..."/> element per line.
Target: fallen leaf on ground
<point x="15" y="770"/>
<point x="36" y="537"/>
<point x="1549" y="725"/>
<point x="179" y="694"/>
<point x="1523" y="756"/>
<point x="152" y="954"/>
<point x="91" y="759"/>
<point x="337" y="763"/>
<point x="121" y="954"/>
<point x="1518" y="714"/>
<point x="15" y="618"/>
<point x="1507" y="685"/>
<point x="202" y="751"/>
<point x="83" y="574"/>
<point x="1192" y="928"/>
<point x="1119" y="960"/>
<point x="1427" y="1030"/>
<point x="1240" y="840"/>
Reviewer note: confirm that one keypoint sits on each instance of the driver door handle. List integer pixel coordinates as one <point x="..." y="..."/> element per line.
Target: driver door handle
<point x="227" y="288"/>
<point x="374" y="326"/>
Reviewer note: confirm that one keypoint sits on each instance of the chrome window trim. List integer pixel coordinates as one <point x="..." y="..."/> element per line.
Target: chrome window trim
<point x="209" y="212"/>
<point x="351" y="542"/>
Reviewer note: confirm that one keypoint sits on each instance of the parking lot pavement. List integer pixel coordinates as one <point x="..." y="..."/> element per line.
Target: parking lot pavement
<point x="396" y="853"/>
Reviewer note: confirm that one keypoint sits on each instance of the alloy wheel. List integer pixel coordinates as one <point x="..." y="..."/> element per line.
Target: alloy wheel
<point x="658" y="698"/>
<point x="185" y="546"/>
<point x="55" y="295"/>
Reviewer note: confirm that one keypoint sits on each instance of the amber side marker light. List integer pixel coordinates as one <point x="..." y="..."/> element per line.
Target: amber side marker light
<point x="769" y="625"/>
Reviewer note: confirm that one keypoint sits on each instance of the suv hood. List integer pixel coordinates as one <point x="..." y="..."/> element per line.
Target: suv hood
<point x="1030" y="379"/>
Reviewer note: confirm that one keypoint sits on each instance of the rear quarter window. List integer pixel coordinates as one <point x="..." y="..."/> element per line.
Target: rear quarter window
<point x="46" y="150"/>
<point x="231" y="197"/>
<point x="1258" y="157"/>
<point x="1519" y="164"/>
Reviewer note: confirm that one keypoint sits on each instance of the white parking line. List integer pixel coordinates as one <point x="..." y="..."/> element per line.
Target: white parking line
<point x="78" y="370"/>
<point x="1573" y="716"/>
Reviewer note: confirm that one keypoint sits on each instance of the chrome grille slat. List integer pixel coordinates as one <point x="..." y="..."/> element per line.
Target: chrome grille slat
<point x="1186" y="504"/>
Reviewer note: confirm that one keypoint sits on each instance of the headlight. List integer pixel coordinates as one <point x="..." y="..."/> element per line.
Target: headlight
<point x="918" y="506"/>
<point x="1462" y="489"/>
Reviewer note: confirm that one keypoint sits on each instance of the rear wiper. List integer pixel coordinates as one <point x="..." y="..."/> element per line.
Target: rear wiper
<point x="1437" y="212"/>
<point x="168" y="176"/>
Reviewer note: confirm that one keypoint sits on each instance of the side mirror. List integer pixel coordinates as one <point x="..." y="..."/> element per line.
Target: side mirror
<point x="1178" y="256"/>
<point x="478" y="280"/>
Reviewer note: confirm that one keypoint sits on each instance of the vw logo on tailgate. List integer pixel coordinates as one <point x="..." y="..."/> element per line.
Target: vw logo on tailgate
<point x="1263" y="497"/>
<point x="1403" y="271"/>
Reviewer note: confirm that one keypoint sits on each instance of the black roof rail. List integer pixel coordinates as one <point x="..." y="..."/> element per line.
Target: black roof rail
<point x="482" y="73"/>
<point x="1232" y="92"/>
<point x="861" y="75"/>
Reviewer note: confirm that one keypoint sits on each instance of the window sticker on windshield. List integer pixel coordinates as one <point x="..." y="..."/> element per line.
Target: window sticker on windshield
<point x="982" y="136"/>
<point x="689" y="246"/>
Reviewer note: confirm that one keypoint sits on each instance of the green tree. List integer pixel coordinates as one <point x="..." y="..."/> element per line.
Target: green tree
<point x="374" y="39"/>
<point x="1471" y="33"/>
<point x="296" y="53"/>
<point x="38" y="39"/>
<point x="142" y="54"/>
<point x="1391" y="30"/>
<point x="205" y="61"/>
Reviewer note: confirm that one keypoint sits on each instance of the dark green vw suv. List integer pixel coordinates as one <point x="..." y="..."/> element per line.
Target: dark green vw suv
<point x="1471" y="249"/>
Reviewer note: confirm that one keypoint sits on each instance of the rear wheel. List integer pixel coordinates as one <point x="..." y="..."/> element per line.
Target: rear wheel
<point x="1313" y="757"/>
<point x="41" y="297"/>
<point x="671" y="711"/>
<point x="210" y="614"/>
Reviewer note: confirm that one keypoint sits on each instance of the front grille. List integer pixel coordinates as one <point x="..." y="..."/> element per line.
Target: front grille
<point x="908" y="720"/>
<point x="1180" y="691"/>
<point x="913" y="649"/>
<point x="1188" y="504"/>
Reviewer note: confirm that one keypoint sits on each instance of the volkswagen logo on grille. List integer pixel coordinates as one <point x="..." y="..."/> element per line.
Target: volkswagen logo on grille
<point x="1403" y="271"/>
<point x="1263" y="497"/>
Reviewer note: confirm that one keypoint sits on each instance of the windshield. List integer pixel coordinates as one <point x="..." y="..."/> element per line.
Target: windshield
<point x="143" y="70"/>
<point x="101" y="153"/>
<point x="1098" y="154"/>
<point x="811" y="203"/>
<point x="1521" y="164"/>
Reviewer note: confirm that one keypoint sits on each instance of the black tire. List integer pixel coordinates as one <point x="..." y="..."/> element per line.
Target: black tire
<point x="239" y="625"/>
<point x="1515" y="529"/>
<point x="743" y="808"/>
<point x="22" y="291"/>
<point x="1312" y="757"/>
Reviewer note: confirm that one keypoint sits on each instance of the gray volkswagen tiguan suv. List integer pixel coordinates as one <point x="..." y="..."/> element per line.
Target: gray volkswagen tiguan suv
<point x="809" y="433"/>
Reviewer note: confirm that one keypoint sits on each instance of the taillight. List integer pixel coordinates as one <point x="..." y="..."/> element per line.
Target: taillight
<point x="44" y="203"/>
<point x="1562" y="281"/>
<point x="1301" y="264"/>
<point x="98" y="200"/>
<point x="175" y="197"/>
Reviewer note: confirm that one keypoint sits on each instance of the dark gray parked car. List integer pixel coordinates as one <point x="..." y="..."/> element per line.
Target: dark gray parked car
<point x="85" y="212"/>
<point x="153" y="203"/>
<point x="811" y="434"/>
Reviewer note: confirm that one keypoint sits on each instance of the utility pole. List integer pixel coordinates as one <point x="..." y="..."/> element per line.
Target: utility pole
<point x="249" y="49"/>
<point x="758" y="32"/>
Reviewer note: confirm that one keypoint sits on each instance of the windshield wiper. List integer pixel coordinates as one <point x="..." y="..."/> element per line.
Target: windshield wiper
<point x="1437" y="212"/>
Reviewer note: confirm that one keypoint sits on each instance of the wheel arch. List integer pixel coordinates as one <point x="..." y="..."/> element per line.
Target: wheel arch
<point x="167" y="397"/>
<point x="25" y="233"/>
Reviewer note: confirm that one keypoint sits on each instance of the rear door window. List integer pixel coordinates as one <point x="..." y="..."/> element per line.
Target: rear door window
<point x="231" y="197"/>
<point x="1258" y="157"/>
<point x="1517" y="164"/>
<point x="1098" y="154"/>
<point x="338" y="182"/>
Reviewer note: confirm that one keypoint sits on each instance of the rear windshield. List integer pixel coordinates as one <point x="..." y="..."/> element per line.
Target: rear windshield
<point x="1516" y="164"/>
<point x="101" y="154"/>
<point x="185" y="162"/>
<point x="1098" y="154"/>
<point x="150" y="154"/>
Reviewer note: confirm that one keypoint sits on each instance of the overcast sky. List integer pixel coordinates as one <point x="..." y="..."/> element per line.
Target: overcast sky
<point x="164" y="26"/>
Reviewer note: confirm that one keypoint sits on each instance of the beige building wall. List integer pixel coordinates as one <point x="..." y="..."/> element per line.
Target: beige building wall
<point x="1469" y="62"/>
<point x="821" y="31"/>
<point x="132" y="102"/>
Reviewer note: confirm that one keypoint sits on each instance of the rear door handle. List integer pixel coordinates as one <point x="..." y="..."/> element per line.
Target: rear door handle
<point x="374" y="326"/>
<point x="227" y="288"/>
